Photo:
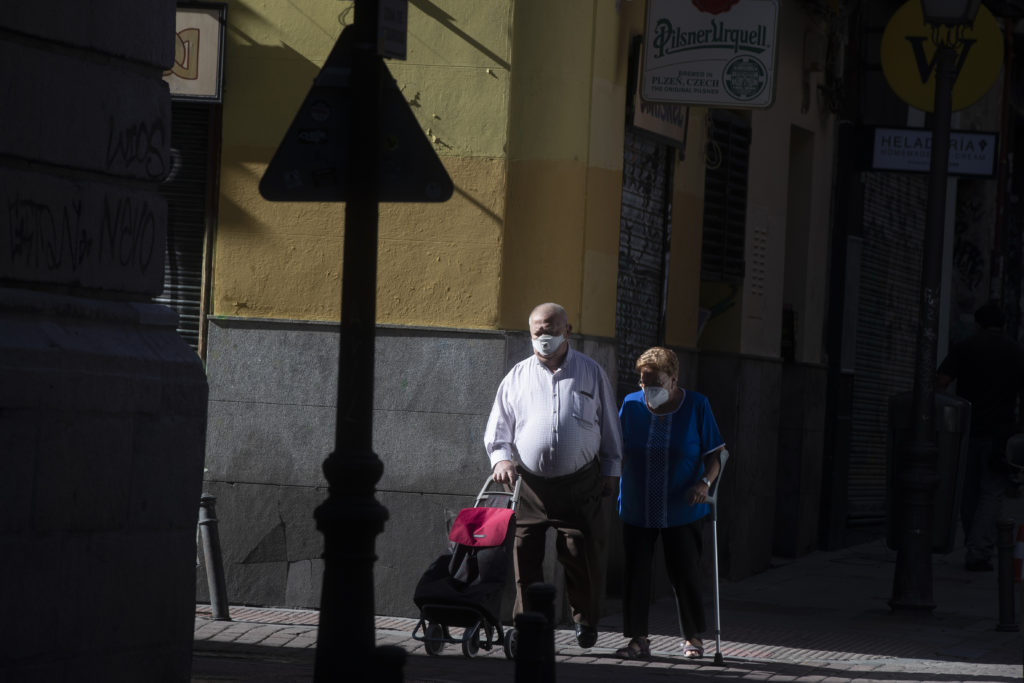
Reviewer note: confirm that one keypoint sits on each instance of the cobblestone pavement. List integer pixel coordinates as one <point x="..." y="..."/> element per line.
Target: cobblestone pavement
<point x="823" y="617"/>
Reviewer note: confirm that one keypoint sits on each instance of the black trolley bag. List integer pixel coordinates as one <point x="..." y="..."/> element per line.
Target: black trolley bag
<point x="464" y="586"/>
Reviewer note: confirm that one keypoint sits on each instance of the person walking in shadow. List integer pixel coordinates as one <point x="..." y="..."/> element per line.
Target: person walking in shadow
<point x="988" y="368"/>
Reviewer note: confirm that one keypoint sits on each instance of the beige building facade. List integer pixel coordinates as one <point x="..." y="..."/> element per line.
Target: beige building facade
<point x="557" y="198"/>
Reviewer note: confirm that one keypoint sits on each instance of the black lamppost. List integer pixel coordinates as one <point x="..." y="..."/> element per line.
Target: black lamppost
<point x="351" y="517"/>
<point x="917" y="478"/>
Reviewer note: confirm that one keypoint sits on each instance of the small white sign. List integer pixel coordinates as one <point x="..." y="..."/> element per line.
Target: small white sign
<point x="710" y="52"/>
<point x="197" y="73"/>
<point x="392" y="28"/>
<point x="910" y="149"/>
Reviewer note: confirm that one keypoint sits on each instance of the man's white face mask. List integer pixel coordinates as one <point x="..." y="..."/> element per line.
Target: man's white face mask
<point x="546" y="344"/>
<point x="655" y="396"/>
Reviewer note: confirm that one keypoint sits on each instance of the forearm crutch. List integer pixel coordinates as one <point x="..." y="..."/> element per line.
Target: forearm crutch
<point x="713" y="502"/>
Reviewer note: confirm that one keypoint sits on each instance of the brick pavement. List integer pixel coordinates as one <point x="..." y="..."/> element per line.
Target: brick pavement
<point x="822" y="617"/>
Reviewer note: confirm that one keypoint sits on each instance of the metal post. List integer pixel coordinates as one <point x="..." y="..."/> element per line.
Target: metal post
<point x="211" y="552"/>
<point x="1004" y="574"/>
<point x="719" y="660"/>
<point x="351" y="517"/>
<point x="540" y="655"/>
<point x="531" y="665"/>
<point x="540" y="597"/>
<point x="917" y="474"/>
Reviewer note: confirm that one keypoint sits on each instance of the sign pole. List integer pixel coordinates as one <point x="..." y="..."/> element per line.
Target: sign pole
<point x="351" y="518"/>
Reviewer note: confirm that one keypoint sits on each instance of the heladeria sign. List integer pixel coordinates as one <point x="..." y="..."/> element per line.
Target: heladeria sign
<point x="910" y="149"/>
<point x="710" y="52"/>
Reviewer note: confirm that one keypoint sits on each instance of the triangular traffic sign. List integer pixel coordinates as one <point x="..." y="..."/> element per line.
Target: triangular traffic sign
<point x="310" y="164"/>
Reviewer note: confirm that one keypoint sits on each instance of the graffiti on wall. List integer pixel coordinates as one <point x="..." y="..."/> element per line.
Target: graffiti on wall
<point x="140" y="147"/>
<point x="972" y="244"/>
<point x="87" y="234"/>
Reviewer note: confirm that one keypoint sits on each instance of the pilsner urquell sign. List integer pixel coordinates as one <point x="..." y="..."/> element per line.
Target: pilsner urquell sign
<point x="710" y="52"/>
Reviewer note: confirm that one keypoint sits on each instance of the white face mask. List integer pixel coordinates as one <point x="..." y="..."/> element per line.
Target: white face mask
<point x="546" y="345"/>
<point x="655" y="396"/>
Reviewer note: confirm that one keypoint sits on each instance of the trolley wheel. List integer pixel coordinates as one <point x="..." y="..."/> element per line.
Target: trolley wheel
<point x="511" y="643"/>
<point x="471" y="643"/>
<point x="433" y="639"/>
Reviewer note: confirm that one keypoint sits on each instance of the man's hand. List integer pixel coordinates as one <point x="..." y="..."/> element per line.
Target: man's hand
<point x="611" y="487"/>
<point x="505" y="472"/>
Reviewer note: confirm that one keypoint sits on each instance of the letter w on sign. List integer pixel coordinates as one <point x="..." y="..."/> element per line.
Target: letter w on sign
<point x="925" y="67"/>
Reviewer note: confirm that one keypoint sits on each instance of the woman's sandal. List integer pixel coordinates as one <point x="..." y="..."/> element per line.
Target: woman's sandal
<point x="691" y="650"/>
<point x="638" y="648"/>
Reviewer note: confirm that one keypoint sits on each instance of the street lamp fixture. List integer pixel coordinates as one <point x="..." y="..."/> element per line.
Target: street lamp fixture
<point x="950" y="12"/>
<point x="918" y="475"/>
<point x="949" y="19"/>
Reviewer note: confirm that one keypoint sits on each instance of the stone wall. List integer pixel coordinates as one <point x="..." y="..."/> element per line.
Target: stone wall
<point x="102" y="405"/>
<point x="102" y="423"/>
<point x="800" y="458"/>
<point x="272" y="397"/>
<point x="746" y="397"/>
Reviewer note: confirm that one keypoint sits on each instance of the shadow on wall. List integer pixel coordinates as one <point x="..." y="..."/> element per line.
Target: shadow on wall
<point x="448" y="21"/>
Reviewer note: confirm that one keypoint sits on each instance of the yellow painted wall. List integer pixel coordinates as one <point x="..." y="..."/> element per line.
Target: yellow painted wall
<point x="683" y="300"/>
<point x="439" y="263"/>
<point x="524" y="101"/>
<point x="565" y="161"/>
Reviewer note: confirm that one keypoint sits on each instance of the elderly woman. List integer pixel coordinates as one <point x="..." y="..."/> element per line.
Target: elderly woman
<point x="670" y="457"/>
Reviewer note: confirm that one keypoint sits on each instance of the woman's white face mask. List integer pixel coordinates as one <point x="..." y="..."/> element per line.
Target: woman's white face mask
<point x="655" y="396"/>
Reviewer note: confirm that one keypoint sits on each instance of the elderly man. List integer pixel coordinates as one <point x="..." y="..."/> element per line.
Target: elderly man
<point x="555" y="424"/>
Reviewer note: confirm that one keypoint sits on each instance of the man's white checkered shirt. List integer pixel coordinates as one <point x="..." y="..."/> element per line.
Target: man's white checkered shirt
<point x="554" y="423"/>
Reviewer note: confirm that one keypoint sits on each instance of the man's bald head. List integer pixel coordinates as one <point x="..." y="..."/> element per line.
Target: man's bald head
<point x="548" y="311"/>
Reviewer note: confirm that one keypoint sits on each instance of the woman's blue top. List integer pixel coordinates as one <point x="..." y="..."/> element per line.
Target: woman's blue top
<point x="662" y="457"/>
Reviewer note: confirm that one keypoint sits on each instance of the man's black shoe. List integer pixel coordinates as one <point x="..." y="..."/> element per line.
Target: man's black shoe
<point x="586" y="636"/>
<point x="973" y="566"/>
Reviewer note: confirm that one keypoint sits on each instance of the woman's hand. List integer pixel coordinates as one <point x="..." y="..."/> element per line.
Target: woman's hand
<point x="699" y="492"/>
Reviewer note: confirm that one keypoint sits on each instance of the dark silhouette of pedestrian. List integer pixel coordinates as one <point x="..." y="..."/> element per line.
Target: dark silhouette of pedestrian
<point x="988" y="368"/>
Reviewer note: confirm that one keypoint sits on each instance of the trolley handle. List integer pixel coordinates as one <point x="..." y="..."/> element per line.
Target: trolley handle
<point x="513" y="497"/>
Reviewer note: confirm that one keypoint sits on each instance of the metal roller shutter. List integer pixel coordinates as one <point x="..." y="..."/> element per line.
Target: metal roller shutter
<point x="886" y="336"/>
<point x="725" y="197"/>
<point x="187" y="194"/>
<point x="644" y="235"/>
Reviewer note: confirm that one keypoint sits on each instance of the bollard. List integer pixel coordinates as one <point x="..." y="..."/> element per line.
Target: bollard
<point x="540" y="600"/>
<point x="531" y="664"/>
<point x="1004" y="575"/>
<point x="214" y="564"/>
<point x="540" y="597"/>
<point x="388" y="664"/>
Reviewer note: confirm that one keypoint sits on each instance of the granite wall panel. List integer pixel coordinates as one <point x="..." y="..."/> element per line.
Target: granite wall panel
<point x="271" y="417"/>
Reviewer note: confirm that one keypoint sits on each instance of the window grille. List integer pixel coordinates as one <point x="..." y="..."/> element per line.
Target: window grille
<point x="725" y="197"/>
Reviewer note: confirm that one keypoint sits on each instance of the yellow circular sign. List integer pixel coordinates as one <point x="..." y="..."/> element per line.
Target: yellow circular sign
<point x="908" y="58"/>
